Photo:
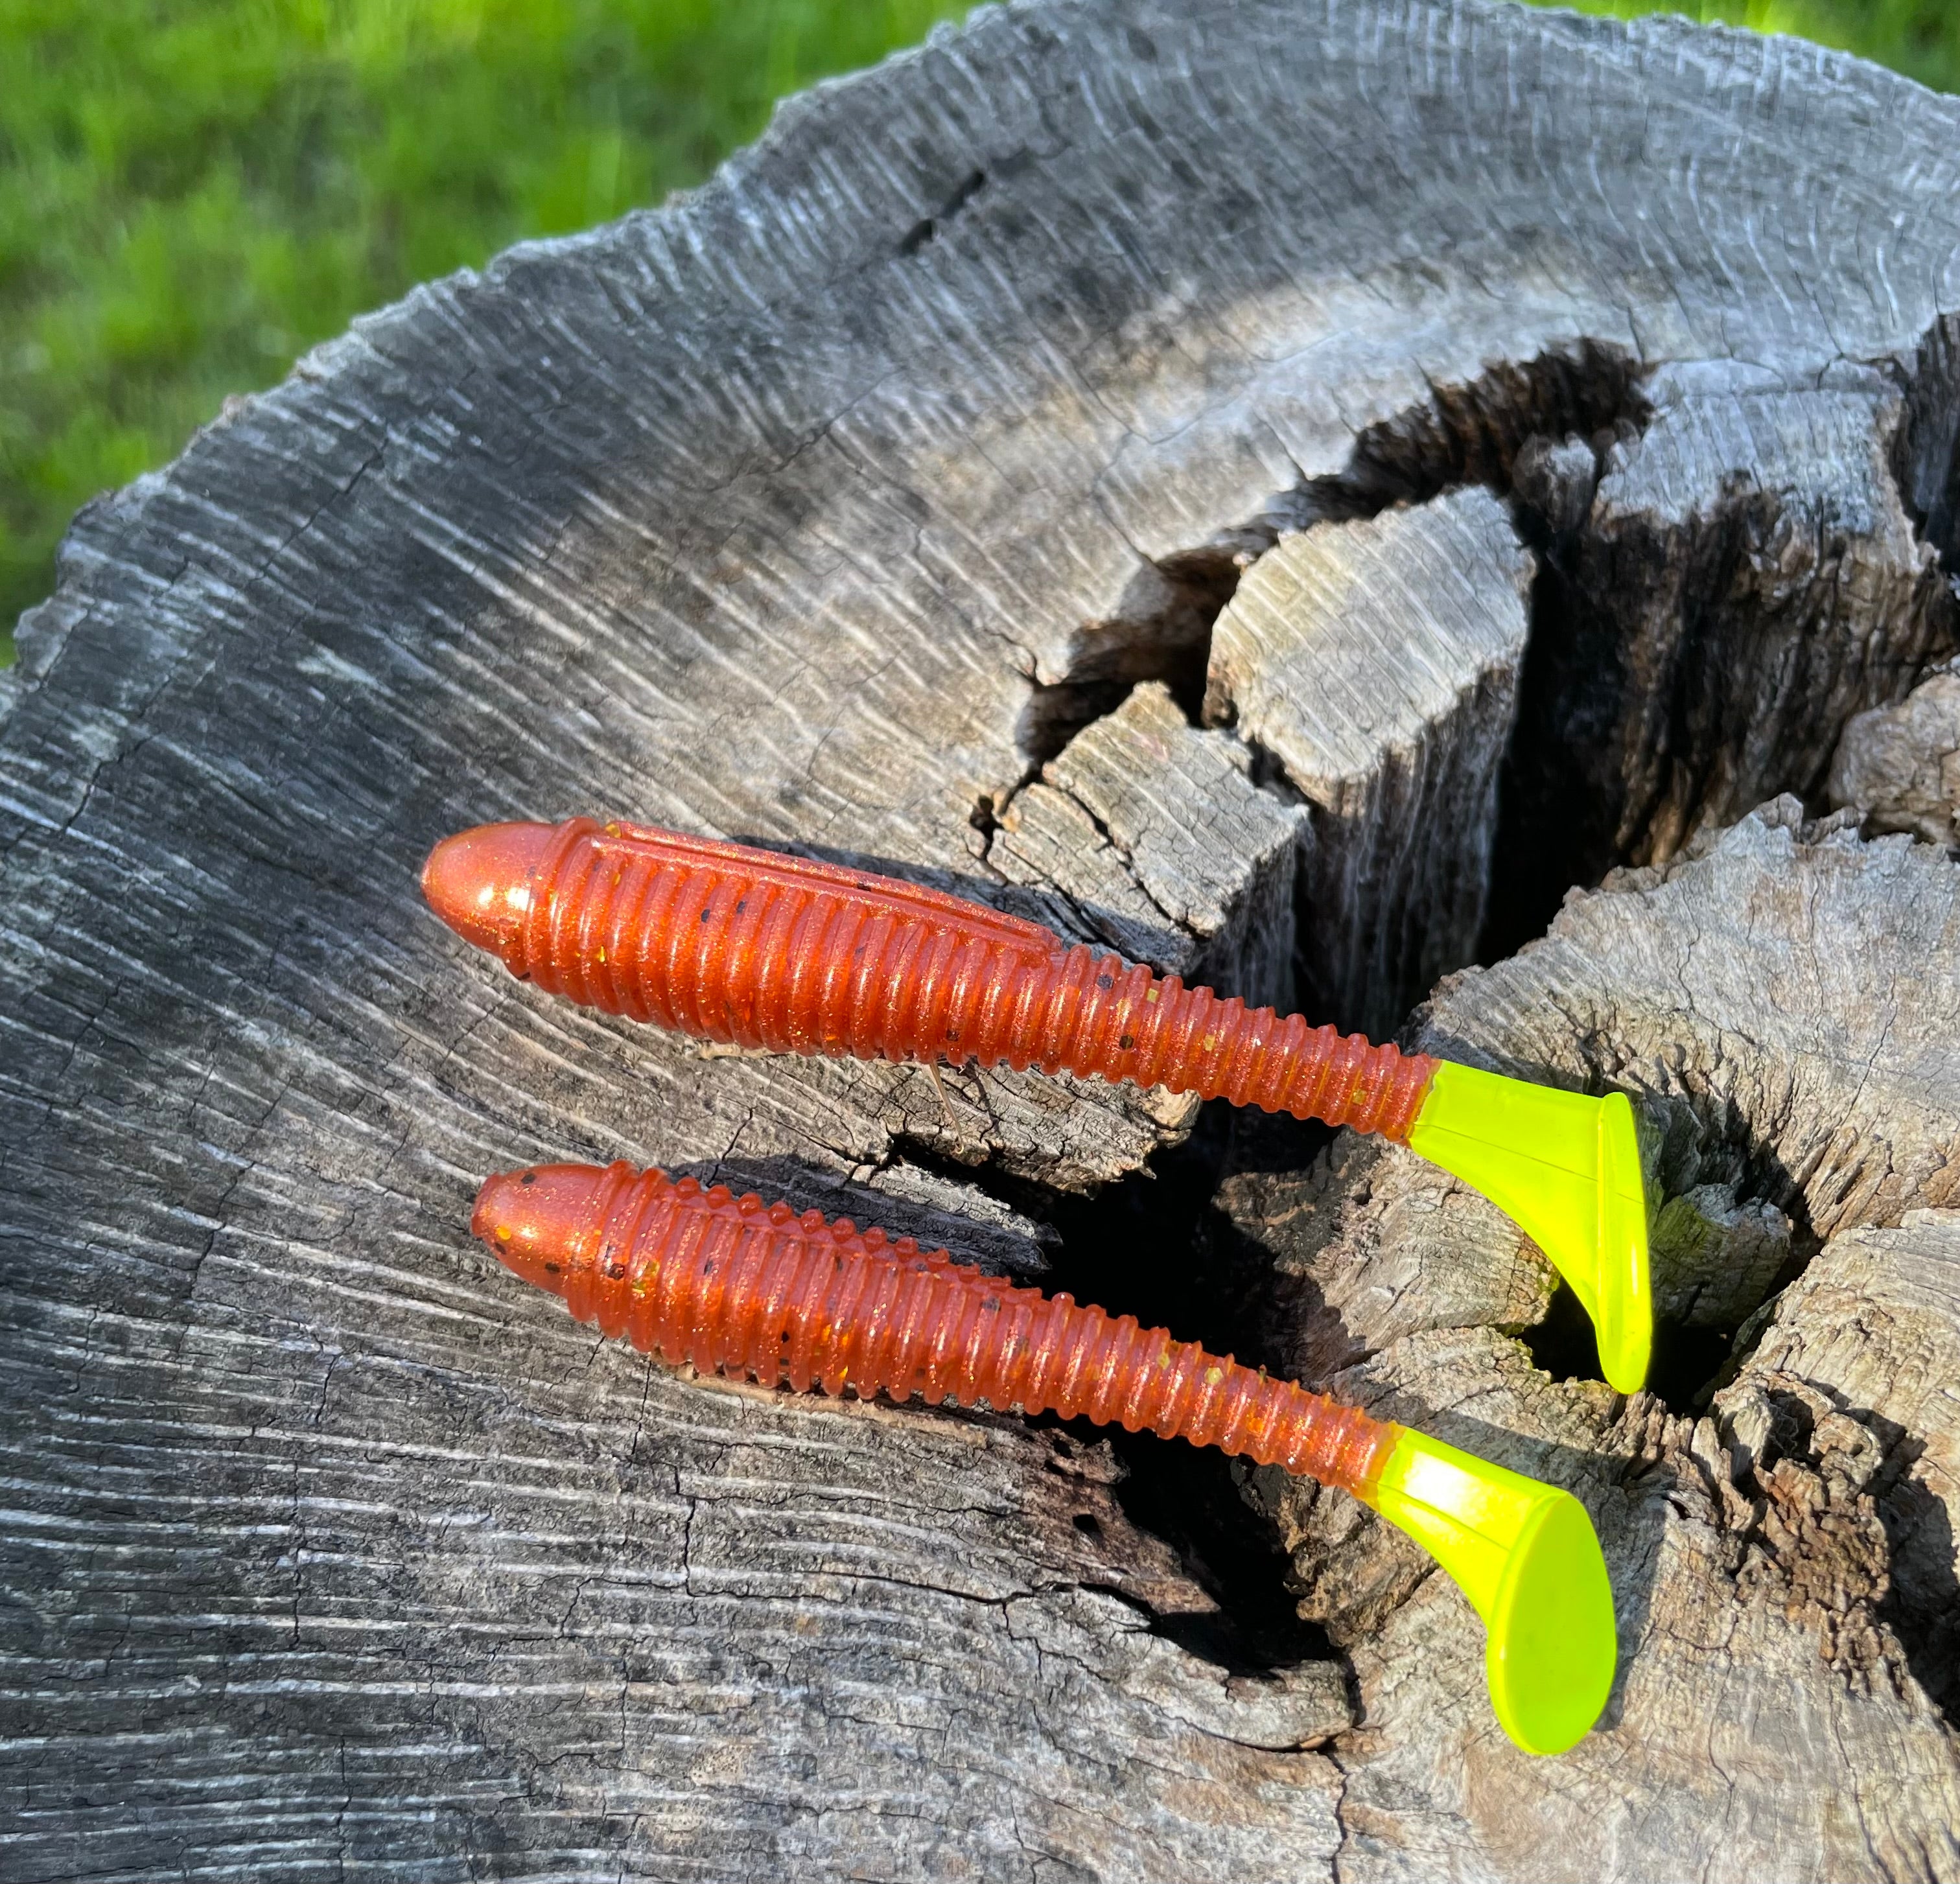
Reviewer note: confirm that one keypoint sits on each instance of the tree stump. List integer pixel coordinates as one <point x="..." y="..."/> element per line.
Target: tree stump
<point x="1292" y="491"/>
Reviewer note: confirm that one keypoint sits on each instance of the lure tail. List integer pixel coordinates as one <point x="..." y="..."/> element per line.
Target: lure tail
<point x="1525" y="1555"/>
<point x="1566" y="1169"/>
<point x="730" y="1284"/>
<point x="758" y="949"/>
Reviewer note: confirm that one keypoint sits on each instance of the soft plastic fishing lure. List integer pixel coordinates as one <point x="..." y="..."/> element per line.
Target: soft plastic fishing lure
<point x="730" y="1285"/>
<point x="761" y="950"/>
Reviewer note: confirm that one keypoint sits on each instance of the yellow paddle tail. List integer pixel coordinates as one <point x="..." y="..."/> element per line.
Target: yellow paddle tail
<point x="1525" y="1555"/>
<point x="1566" y="1169"/>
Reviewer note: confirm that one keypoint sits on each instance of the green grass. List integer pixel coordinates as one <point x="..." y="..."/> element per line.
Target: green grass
<point x="193" y="191"/>
<point x="1920" y="38"/>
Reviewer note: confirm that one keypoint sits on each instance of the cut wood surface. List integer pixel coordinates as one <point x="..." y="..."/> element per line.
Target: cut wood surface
<point x="1900" y="766"/>
<point x="1376" y="661"/>
<point x="1583" y="398"/>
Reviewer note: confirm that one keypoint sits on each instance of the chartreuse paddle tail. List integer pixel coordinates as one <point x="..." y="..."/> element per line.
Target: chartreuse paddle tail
<point x="1525" y="1555"/>
<point x="1566" y="1169"/>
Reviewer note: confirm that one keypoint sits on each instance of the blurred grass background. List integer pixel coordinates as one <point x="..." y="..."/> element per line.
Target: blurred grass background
<point x="193" y="191"/>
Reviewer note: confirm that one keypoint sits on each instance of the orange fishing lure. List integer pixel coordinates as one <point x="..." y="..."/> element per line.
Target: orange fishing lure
<point x="733" y="1286"/>
<point x="760" y="949"/>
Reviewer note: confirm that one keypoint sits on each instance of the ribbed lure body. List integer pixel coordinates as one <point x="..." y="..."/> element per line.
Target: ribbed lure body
<point x="733" y="1286"/>
<point x="761" y="950"/>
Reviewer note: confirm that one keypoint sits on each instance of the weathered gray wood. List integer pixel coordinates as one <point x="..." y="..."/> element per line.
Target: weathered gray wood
<point x="1374" y="1244"/>
<point x="1786" y="1006"/>
<point x="1376" y="662"/>
<point x="1110" y="824"/>
<point x="1794" y="598"/>
<point x="1873" y="1325"/>
<point x="1900" y="766"/>
<point x="1750" y="575"/>
<point x="1785" y="1565"/>
<point x="830" y="505"/>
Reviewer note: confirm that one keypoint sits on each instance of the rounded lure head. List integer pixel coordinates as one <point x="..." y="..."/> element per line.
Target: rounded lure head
<point x="1525" y="1554"/>
<point x="543" y="1222"/>
<point x="480" y="881"/>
